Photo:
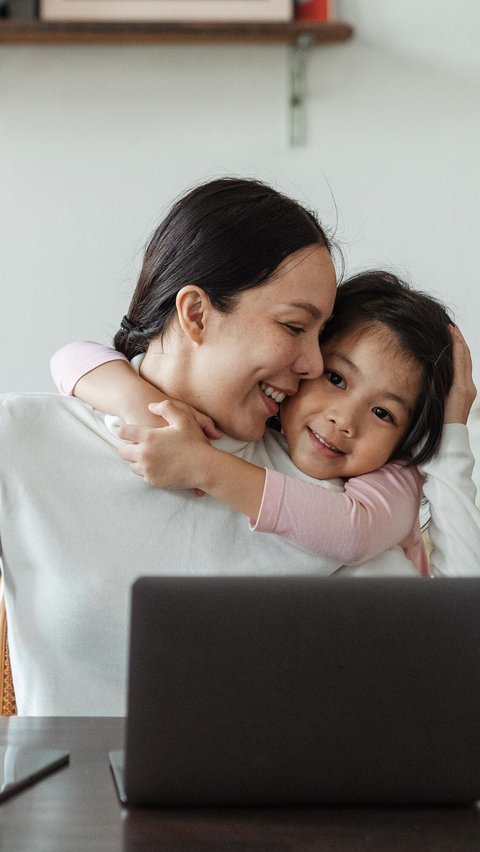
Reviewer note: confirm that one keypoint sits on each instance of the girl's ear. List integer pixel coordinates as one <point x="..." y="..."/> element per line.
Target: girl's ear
<point x="193" y="307"/>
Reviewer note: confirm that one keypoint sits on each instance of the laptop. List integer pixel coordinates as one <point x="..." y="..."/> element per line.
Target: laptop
<point x="302" y="691"/>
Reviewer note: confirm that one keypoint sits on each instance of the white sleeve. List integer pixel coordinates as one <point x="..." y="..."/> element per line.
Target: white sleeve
<point x="455" y="520"/>
<point x="390" y="563"/>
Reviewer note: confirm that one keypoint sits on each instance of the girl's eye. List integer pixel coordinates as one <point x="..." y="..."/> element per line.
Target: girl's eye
<point x="294" y="329"/>
<point x="335" y="379"/>
<point x="382" y="414"/>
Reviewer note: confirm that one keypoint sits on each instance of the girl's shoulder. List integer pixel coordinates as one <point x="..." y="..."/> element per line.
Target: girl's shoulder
<point x="398" y="470"/>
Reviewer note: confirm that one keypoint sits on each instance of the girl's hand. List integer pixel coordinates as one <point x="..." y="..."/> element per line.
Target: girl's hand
<point x="463" y="391"/>
<point x="175" y="456"/>
<point x="206" y="423"/>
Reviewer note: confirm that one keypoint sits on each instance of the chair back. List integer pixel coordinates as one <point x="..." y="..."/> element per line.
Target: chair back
<point x="8" y="705"/>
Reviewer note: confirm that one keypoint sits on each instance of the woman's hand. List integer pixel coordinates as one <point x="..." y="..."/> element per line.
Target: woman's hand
<point x="463" y="391"/>
<point x="175" y="456"/>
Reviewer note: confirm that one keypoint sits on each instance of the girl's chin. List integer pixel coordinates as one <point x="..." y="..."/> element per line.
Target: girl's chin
<point x="317" y="470"/>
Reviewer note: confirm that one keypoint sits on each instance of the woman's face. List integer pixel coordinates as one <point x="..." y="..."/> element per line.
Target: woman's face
<point x="254" y="356"/>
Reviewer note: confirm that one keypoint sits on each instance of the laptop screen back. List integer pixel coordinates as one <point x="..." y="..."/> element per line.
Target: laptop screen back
<point x="297" y="690"/>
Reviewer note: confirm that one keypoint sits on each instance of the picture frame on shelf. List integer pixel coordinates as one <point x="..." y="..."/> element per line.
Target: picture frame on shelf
<point x="173" y="11"/>
<point x="313" y="10"/>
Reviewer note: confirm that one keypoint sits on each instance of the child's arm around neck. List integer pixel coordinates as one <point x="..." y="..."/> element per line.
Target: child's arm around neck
<point x="103" y="378"/>
<point x="374" y="513"/>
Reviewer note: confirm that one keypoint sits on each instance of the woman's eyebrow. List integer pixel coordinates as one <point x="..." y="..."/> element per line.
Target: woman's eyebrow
<point x="311" y="309"/>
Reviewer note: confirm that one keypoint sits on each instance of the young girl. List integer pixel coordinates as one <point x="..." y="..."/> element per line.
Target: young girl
<point x="375" y="413"/>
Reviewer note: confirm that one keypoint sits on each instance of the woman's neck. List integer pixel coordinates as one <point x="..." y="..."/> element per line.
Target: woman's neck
<point x="167" y="371"/>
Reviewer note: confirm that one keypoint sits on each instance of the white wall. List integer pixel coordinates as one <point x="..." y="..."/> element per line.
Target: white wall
<point x="95" y="142"/>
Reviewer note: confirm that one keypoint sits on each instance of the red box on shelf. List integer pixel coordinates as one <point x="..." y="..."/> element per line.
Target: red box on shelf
<point x="312" y="10"/>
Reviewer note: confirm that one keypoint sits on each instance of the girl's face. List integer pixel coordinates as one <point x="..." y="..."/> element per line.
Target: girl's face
<point x="351" y="420"/>
<point x="251" y="358"/>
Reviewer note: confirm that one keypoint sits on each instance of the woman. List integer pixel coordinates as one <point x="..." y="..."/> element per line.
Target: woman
<point x="250" y="284"/>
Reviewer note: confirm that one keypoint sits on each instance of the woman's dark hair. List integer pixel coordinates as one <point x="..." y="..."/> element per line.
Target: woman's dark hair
<point x="226" y="236"/>
<point x="421" y="326"/>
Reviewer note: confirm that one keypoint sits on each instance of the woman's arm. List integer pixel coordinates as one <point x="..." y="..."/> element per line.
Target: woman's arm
<point x="376" y="511"/>
<point x="455" y="520"/>
<point x="103" y="378"/>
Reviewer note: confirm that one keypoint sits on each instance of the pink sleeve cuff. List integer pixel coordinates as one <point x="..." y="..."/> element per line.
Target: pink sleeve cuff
<point x="273" y="492"/>
<point x="75" y="360"/>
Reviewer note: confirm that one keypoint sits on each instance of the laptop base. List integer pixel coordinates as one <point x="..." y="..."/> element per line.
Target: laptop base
<point x="117" y="760"/>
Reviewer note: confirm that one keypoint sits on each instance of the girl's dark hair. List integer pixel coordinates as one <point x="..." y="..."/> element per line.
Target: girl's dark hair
<point x="226" y="236"/>
<point x="421" y="326"/>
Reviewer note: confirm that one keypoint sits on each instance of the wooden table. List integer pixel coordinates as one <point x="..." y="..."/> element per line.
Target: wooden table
<point x="77" y="810"/>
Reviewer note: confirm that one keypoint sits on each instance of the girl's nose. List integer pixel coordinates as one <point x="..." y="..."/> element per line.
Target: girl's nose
<point x="344" y="418"/>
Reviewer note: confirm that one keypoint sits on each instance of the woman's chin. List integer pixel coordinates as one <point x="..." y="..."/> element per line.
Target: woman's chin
<point x="250" y="432"/>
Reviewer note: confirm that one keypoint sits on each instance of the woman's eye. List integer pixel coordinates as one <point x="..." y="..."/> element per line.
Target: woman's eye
<point x="382" y="414"/>
<point x="335" y="379"/>
<point x="294" y="329"/>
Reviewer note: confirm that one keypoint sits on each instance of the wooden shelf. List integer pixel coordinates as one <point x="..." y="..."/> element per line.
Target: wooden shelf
<point x="33" y="31"/>
<point x="300" y="35"/>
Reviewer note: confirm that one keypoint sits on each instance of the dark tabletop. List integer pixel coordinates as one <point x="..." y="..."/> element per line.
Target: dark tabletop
<point x="76" y="809"/>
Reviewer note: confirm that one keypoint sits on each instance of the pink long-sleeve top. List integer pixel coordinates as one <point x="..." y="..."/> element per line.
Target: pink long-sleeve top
<point x="375" y="511"/>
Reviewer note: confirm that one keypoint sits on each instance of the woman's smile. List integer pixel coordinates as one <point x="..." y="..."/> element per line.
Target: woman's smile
<point x="252" y="358"/>
<point x="277" y="395"/>
<point x="272" y="397"/>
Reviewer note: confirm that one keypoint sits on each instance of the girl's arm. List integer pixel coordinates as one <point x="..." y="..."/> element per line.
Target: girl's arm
<point x="103" y="378"/>
<point x="74" y="361"/>
<point x="374" y="513"/>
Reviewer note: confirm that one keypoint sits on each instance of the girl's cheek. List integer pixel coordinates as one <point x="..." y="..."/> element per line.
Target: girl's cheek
<point x="286" y="409"/>
<point x="284" y="418"/>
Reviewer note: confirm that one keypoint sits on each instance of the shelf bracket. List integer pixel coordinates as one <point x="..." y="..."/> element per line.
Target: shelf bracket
<point x="298" y="54"/>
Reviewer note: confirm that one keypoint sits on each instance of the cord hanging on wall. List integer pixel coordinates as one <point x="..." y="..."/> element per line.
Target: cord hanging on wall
<point x="297" y="71"/>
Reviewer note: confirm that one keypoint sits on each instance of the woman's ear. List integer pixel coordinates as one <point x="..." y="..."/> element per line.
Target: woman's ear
<point x="193" y="307"/>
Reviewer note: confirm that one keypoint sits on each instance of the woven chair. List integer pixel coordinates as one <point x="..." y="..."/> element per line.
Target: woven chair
<point x="8" y="706"/>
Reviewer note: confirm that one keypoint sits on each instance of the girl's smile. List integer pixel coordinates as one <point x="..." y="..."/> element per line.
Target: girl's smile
<point x="323" y="447"/>
<point x="351" y="420"/>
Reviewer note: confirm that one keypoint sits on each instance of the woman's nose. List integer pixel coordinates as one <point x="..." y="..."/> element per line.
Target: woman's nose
<point x="309" y="363"/>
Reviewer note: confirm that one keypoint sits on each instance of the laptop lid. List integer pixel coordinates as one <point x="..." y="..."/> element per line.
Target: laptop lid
<point x="301" y="690"/>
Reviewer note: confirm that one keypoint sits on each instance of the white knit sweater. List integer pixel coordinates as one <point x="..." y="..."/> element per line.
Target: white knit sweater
<point x="77" y="527"/>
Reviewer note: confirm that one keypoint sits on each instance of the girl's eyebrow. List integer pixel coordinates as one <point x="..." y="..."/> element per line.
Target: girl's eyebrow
<point x="345" y="360"/>
<point x="395" y="398"/>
